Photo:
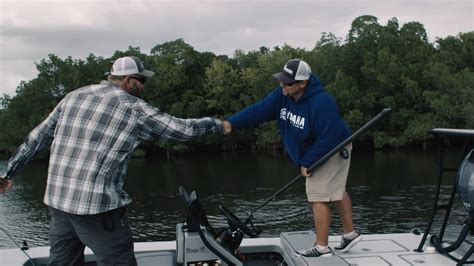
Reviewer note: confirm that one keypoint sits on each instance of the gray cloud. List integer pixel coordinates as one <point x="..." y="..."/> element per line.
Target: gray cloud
<point x="29" y="31"/>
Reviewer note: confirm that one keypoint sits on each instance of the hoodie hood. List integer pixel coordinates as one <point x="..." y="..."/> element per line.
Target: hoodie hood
<point x="314" y="86"/>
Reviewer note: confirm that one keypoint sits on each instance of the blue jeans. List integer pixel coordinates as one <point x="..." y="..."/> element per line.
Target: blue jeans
<point x="107" y="234"/>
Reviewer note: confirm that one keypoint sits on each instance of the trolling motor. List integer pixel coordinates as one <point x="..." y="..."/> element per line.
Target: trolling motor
<point x="465" y="189"/>
<point x="465" y="181"/>
<point x="248" y="226"/>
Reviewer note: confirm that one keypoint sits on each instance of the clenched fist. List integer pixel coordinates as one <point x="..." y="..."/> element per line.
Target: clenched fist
<point x="227" y="127"/>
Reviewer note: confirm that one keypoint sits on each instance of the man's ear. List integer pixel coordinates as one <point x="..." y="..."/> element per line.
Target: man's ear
<point x="125" y="83"/>
<point x="126" y="79"/>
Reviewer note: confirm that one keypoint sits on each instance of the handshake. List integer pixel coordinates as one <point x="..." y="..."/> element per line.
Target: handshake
<point x="226" y="127"/>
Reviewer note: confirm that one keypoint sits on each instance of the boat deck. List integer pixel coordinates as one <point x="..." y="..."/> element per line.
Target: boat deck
<point x="381" y="249"/>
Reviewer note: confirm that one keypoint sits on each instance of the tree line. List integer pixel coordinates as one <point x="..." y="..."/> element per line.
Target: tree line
<point x="426" y="84"/>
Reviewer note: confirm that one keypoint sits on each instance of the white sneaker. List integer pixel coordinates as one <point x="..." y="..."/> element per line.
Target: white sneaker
<point x="314" y="252"/>
<point x="347" y="244"/>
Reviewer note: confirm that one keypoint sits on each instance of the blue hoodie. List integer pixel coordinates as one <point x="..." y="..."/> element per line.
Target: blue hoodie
<point x="309" y="127"/>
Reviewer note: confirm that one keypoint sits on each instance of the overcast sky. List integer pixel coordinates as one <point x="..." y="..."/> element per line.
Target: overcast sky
<point x="30" y="30"/>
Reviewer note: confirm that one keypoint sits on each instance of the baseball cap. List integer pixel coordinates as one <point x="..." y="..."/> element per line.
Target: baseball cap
<point x="294" y="70"/>
<point x="130" y="65"/>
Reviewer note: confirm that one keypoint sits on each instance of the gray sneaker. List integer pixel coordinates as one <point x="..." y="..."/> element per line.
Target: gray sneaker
<point x="347" y="244"/>
<point x="313" y="252"/>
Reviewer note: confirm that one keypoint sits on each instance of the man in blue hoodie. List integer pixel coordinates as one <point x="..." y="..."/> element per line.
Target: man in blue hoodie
<point x="310" y="126"/>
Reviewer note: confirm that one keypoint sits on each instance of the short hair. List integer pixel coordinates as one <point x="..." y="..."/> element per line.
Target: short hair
<point x="116" y="78"/>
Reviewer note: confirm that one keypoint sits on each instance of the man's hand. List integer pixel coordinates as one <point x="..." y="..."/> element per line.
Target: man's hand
<point x="304" y="172"/>
<point x="5" y="184"/>
<point x="227" y="127"/>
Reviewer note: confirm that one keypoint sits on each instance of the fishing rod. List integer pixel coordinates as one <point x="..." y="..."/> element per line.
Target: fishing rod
<point x="24" y="247"/>
<point x="317" y="164"/>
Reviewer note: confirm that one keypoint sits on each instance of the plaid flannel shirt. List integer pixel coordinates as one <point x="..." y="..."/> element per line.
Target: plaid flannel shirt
<point x="93" y="132"/>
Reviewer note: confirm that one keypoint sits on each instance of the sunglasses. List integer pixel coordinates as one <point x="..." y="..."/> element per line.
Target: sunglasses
<point x="141" y="79"/>
<point x="284" y="84"/>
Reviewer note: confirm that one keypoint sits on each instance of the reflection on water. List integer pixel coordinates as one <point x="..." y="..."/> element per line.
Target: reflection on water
<point x="392" y="192"/>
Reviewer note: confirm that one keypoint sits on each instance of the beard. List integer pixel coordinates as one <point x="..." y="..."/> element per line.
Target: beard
<point x="136" y="91"/>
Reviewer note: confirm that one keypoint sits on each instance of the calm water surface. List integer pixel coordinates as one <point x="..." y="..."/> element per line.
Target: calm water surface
<point x="392" y="192"/>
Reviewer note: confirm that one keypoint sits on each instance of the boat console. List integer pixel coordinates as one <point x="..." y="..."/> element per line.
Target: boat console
<point x="198" y="242"/>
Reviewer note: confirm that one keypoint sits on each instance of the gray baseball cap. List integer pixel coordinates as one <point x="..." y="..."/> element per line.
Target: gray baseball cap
<point x="130" y="65"/>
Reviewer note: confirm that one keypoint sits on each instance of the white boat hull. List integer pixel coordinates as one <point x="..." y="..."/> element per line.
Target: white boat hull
<point x="378" y="249"/>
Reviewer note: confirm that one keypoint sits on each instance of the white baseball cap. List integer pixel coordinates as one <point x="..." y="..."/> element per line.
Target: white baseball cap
<point x="130" y="65"/>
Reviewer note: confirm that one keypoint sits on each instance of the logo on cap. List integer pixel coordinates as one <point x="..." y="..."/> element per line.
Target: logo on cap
<point x="288" y="70"/>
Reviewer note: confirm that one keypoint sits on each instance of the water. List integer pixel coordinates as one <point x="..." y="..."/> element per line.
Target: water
<point x="392" y="192"/>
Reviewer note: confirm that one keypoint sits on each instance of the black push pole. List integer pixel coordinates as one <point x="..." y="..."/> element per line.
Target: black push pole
<point x="326" y="157"/>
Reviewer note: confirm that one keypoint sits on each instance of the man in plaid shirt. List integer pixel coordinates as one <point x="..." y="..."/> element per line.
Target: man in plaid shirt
<point x="93" y="132"/>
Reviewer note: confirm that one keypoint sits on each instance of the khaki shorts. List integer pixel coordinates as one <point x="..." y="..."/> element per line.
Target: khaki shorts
<point x="328" y="182"/>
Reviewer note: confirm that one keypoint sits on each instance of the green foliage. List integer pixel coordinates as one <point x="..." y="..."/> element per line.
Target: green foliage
<point x="223" y="88"/>
<point x="426" y="84"/>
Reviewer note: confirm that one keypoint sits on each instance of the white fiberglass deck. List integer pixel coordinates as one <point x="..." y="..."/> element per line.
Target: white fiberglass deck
<point x="383" y="249"/>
